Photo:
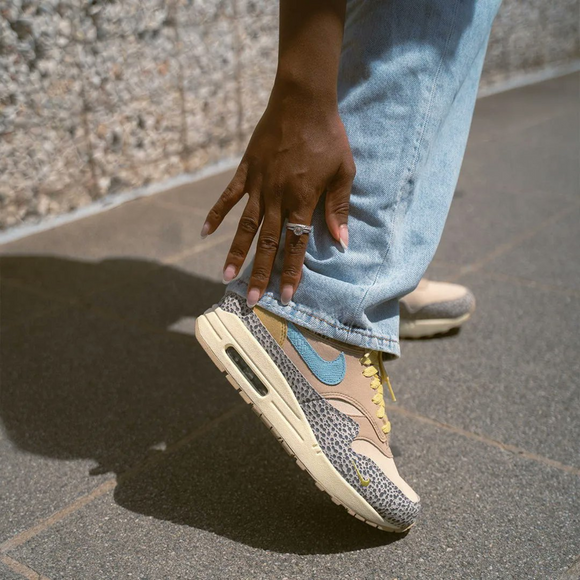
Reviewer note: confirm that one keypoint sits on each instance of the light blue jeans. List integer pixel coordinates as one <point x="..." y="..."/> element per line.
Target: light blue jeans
<point x="407" y="85"/>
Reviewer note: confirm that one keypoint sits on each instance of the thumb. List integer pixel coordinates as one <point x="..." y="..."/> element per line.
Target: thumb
<point x="337" y="203"/>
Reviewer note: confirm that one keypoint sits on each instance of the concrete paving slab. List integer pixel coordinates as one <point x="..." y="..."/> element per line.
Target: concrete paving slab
<point x="208" y="265"/>
<point x="6" y="573"/>
<point x="35" y="486"/>
<point x="17" y="303"/>
<point x="138" y="228"/>
<point x="112" y="379"/>
<point x="543" y="157"/>
<point x="143" y="231"/>
<point x="84" y="396"/>
<point x="495" y="204"/>
<point x="572" y="573"/>
<point x="480" y="222"/>
<point x="506" y="114"/>
<point x="510" y="374"/>
<point x="200" y="195"/>
<point x="551" y="257"/>
<point x="440" y="271"/>
<point x="161" y="298"/>
<point x="232" y="504"/>
<point x="66" y="279"/>
<point x="515" y="181"/>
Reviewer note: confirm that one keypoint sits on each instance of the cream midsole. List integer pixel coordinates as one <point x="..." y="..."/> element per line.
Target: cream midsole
<point x="218" y="330"/>
<point x="428" y="327"/>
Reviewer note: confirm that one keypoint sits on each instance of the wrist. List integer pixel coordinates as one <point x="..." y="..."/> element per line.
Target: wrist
<point x="293" y="88"/>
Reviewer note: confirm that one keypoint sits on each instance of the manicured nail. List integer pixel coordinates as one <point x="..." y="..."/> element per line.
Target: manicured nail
<point x="343" y="236"/>
<point x="253" y="297"/>
<point x="229" y="273"/>
<point x="287" y="292"/>
<point x="204" y="230"/>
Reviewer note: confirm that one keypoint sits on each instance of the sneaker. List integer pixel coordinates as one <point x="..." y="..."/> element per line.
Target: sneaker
<point x="434" y="308"/>
<point x="322" y="399"/>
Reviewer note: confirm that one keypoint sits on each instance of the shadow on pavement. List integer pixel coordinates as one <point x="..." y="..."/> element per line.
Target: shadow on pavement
<point x="102" y="377"/>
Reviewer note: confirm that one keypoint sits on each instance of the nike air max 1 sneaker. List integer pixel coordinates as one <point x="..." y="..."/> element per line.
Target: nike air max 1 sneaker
<point x="434" y="308"/>
<point x="322" y="399"/>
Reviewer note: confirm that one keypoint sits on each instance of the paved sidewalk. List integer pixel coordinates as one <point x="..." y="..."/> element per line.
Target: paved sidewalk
<point x="125" y="453"/>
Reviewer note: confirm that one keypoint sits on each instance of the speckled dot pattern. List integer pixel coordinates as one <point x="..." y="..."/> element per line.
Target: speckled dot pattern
<point x="334" y="430"/>
<point x="445" y="310"/>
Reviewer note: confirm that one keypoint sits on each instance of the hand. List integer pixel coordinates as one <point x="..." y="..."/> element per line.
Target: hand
<point x="297" y="151"/>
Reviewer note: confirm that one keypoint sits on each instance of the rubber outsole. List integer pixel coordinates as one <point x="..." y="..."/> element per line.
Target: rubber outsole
<point x="232" y="380"/>
<point x="426" y="328"/>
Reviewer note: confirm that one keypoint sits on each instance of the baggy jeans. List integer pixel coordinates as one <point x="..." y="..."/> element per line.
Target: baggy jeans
<point x="407" y="84"/>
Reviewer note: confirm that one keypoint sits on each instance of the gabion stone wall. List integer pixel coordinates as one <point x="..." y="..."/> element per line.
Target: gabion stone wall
<point x="100" y="96"/>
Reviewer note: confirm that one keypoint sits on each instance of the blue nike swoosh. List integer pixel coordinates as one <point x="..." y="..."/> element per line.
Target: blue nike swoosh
<point x="329" y="372"/>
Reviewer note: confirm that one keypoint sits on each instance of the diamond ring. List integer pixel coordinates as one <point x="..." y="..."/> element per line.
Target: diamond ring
<point x="299" y="229"/>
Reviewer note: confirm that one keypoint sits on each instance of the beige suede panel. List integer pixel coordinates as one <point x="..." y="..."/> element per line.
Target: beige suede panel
<point x="354" y="390"/>
<point x="387" y="465"/>
<point x="353" y="396"/>
<point x="429" y="292"/>
<point x="367" y="432"/>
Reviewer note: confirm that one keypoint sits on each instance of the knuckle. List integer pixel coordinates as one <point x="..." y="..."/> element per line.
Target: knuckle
<point x="248" y="160"/>
<point x="237" y="253"/>
<point x="214" y="214"/>
<point x="297" y="248"/>
<point x="249" y="224"/>
<point x="351" y="170"/>
<point x="268" y="244"/>
<point x="276" y="190"/>
<point x="228" y="194"/>
<point x="341" y="208"/>
<point x="295" y="183"/>
<point x="260" y="275"/>
<point x="291" y="272"/>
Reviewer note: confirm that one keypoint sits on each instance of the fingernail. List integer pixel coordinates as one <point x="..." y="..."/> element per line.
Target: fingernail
<point x="253" y="297"/>
<point x="343" y="236"/>
<point x="229" y="273"/>
<point x="287" y="292"/>
<point x="204" y="230"/>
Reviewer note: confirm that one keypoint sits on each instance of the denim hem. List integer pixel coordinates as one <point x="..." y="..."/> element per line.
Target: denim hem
<point x="321" y="323"/>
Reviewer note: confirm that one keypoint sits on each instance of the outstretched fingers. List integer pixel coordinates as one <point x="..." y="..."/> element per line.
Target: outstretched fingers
<point x="248" y="227"/>
<point x="267" y="247"/>
<point x="338" y="202"/>
<point x="294" y="254"/>
<point x="227" y="200"/>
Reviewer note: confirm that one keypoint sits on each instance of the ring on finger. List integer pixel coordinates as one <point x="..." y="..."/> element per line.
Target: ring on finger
<point x="299" y="229"/>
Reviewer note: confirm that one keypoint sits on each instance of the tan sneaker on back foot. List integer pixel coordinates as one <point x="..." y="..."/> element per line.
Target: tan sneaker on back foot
<point x="322" y="399"/>
<point x="434" y="308"/>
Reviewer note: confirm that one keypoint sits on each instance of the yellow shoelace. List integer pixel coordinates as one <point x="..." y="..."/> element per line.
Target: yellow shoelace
<point x="374" y="369"/>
